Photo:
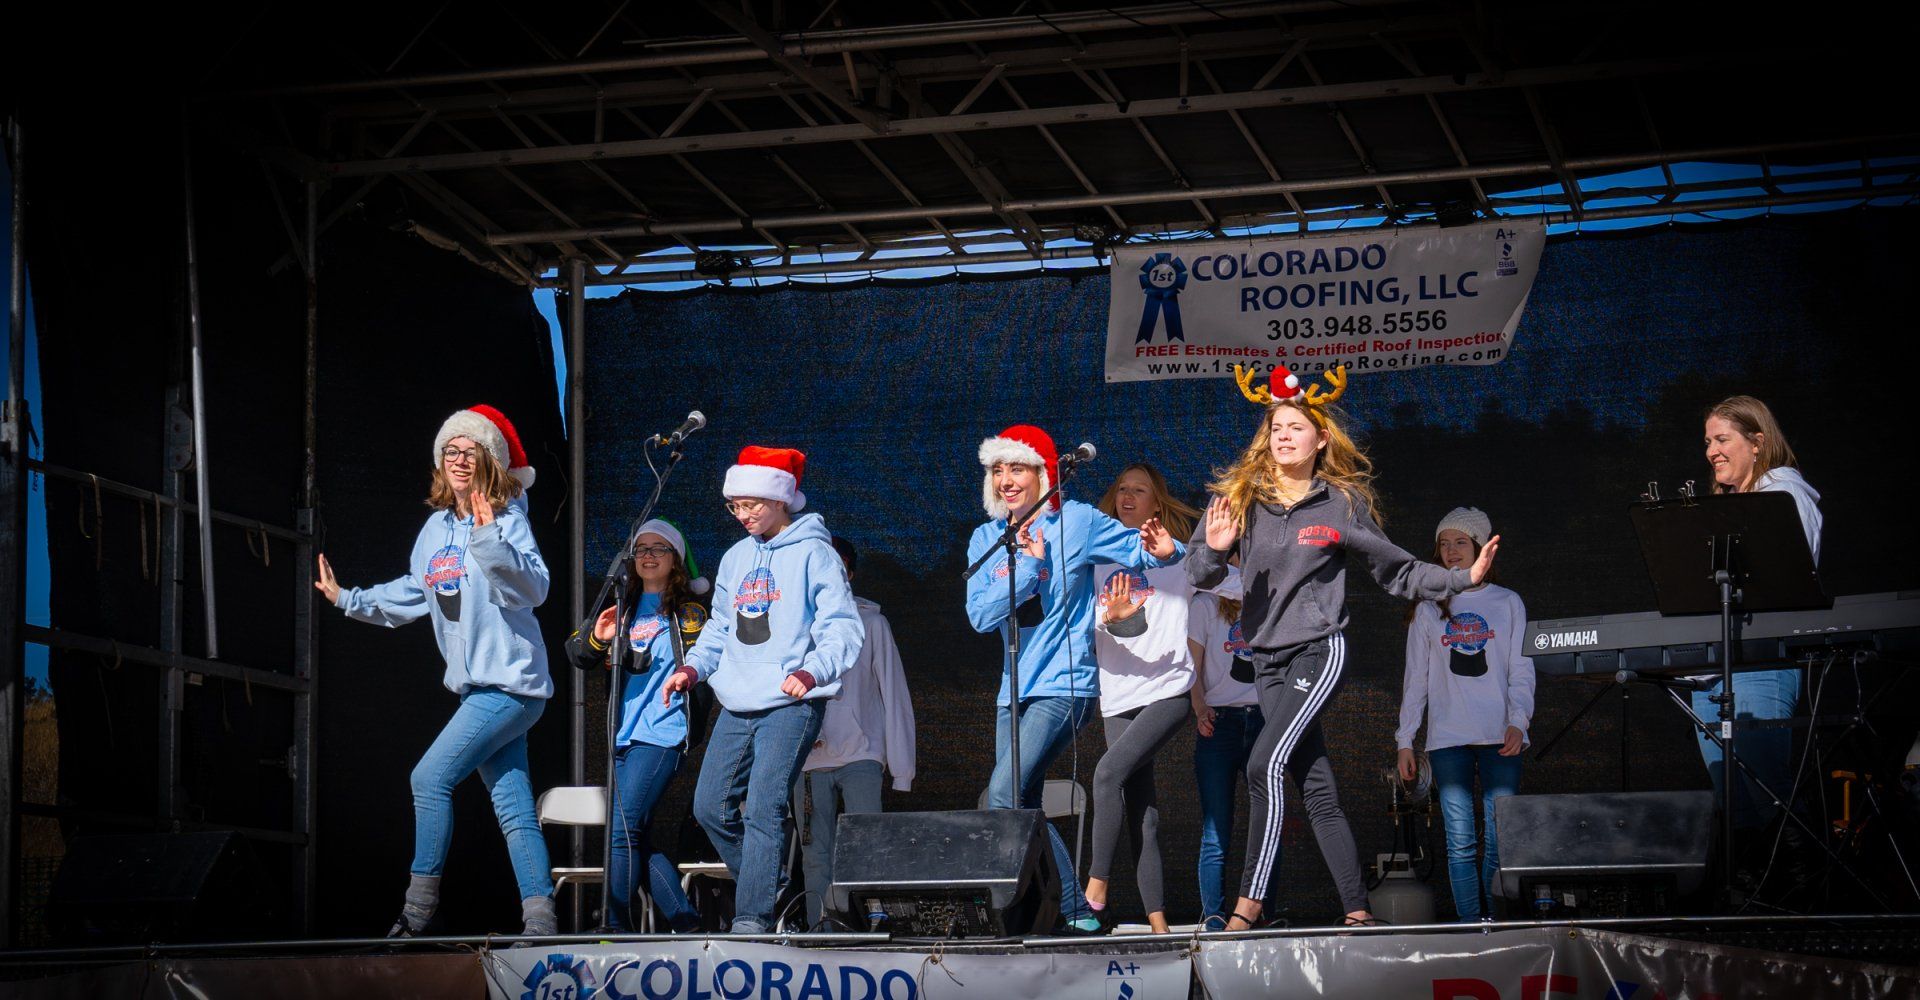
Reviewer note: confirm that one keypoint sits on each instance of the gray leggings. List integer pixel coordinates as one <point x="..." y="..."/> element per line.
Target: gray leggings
<point x="1125" y="776"/>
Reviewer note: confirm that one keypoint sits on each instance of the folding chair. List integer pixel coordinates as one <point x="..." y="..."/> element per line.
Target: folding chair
<point x="586" y="805"/>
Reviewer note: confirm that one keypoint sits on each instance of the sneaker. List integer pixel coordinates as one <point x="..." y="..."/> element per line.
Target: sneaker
<point x="402" y="929"/>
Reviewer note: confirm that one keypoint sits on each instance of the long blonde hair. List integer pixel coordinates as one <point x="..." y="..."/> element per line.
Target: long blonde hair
<point x="1177" y="517"/>
<point x="489" y="478"/>
<point x="1753" y="419"/>
<point x="1255" y="476"/>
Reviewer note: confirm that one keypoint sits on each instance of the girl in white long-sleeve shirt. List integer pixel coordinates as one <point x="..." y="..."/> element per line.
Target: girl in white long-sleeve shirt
<point x="1467" y="675"/>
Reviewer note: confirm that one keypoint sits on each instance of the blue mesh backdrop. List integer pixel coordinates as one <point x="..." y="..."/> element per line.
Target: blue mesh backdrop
<point x="1625" y="341"/>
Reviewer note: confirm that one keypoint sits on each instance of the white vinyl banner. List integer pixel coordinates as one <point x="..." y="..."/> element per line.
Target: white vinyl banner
<point x="716" y="969"/>
<point x="1378" y="300"/>
<point x="1532" y="964"/>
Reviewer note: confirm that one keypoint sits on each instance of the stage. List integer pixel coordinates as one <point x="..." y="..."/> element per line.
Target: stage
<point x="1628" y="959"/>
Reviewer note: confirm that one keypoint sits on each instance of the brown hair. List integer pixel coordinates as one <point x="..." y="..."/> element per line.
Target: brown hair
<point x="1175" y="516"/>
<point x="1229" y="608"/>
<point x="679" y="592"/>
<point x="1341" y="464"/>
<point x="1755" y="422"/>
<point x="488" y="477"/>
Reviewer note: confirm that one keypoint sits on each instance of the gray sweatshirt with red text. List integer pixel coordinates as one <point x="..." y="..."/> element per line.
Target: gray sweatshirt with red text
<point x="1293" y="563"/>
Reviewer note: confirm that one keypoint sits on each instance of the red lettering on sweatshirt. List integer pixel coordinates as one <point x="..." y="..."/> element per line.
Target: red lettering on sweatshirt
<point x="1319" y="534"/>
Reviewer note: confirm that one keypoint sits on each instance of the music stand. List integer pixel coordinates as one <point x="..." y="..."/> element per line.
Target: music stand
<point x="1731" y="553"/>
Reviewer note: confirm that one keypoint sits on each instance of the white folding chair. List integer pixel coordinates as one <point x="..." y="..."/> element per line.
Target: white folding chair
<point x="585" y="805"/>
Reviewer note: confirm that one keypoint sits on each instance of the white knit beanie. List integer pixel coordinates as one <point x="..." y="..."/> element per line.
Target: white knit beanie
<point x="1470" y="521"/>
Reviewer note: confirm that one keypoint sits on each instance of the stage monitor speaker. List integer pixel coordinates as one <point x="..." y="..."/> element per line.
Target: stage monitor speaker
<point x="164" y="887"/>
<point x="1603" y="854"/>
<point x="972" y="873"/>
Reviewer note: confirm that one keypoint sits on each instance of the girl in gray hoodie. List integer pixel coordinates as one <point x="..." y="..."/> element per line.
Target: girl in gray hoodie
<point x="1296" y="504"/>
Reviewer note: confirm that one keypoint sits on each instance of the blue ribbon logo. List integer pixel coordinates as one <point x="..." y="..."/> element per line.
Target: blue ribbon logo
<point x="1162" y="276"/>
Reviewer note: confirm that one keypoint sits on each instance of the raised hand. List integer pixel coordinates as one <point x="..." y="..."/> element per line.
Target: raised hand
<point x="1118" y="598"/>
<point x="1223" y="529"/>
<point x="327" y="584"/>
<point x="604" y="626"/>
<point x="1155" y="538"/>
<point x="482" y="508"/>
<point x="1033" y="541"/>
<point x="1484" y="565"/>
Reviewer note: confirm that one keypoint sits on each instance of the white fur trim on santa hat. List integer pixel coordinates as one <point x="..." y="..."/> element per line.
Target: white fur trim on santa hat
<point x="763" y="482"/>
<point x="994" y="451"/>
<point x="480" y="431"/>
<point x="665" y="529"/>
<point x="1469" y="521"/>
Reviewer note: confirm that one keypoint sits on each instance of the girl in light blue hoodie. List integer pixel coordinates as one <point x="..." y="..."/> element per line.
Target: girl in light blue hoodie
<point x="477" y="574"/>
<point x="784" y="628"/>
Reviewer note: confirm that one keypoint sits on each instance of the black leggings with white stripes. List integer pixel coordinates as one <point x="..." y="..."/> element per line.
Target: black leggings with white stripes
<point x="1295" y="684"/>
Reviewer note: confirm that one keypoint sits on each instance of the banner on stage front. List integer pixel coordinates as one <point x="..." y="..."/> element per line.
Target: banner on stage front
<point x="1380" y="300"/>
<point x="1540" y="963"/>
<point x="719" y="969"/>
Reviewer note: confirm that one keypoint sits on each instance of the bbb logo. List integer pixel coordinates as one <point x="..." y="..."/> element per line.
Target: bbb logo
<point x="1122" y="981"/>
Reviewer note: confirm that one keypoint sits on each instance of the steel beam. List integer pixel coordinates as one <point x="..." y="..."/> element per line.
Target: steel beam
<point x="1281" y="187"/>
<point x="1067" y="253"/>
<point x="940" y="124"/>
<point x="802" y="45"/>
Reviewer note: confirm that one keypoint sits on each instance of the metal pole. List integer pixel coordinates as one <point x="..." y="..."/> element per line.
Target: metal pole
<point x="306" y="623"/>
<point x="203" y="494"/>
<point x="577" y="532"/>
<point x="13" y="531"/>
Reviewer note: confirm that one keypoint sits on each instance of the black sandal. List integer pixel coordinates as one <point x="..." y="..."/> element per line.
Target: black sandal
<point x="1367" y="922"/>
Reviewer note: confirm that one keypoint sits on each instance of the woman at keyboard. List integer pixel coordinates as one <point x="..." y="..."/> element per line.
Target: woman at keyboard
<point x="1748" y="453"/>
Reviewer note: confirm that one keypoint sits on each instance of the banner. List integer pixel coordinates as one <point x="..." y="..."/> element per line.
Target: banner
<point x="717" y="969"/>
<point x="1542" y="963"/>
<point x="1378" y="300"/>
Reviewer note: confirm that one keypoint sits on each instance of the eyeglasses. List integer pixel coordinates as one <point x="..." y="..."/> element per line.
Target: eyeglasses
<point x="746" y="507"/>
<point x="655" y="551"/>
<point x="452" y="454"/>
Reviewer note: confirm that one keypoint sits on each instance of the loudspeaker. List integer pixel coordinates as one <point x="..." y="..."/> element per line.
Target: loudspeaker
<point x="166" y="887"/>
<point x="971" y="873"/>
<point x="1605" y="854"/>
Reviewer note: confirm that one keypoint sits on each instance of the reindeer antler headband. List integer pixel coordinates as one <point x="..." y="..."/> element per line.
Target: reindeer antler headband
<point x="1285" y="385"/>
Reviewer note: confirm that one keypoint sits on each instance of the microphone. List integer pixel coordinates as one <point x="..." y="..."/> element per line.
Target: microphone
<point x="695" y="420"/>
<point x="1082" y="454"/>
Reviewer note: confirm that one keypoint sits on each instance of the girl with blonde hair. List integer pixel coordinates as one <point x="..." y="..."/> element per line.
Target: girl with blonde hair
<point x="1296" y="505"/>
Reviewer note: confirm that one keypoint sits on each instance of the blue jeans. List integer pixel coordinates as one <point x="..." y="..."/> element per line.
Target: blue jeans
<point x="641" y="774"/>
<point x="819" y="797"/>
<point x="487" y="733"/>
<point x="1768" y="753"/>
<point x="1047" y="726"/>
<point x="1453" y="769"/>
<point x="741" y="801"/>
<point x="1219" y="765"/>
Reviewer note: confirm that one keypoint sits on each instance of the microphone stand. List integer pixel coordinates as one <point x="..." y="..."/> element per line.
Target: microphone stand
<point x="616" y="582"/>
<point x="1010" y="543"/>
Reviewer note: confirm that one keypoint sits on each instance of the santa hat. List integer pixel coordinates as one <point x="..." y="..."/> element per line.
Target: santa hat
<point x="671" y="532"/>
<point x="1021" y="444"/>
<point x="1469" y="521"/>
<point x="490" y="429"/>
<point x="768" y="474"/>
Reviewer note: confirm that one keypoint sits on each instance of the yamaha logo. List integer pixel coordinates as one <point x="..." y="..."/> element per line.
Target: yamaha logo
<point x="1561" y="640"/>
